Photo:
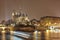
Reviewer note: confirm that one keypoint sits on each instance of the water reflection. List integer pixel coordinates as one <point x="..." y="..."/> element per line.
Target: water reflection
<point x="46" y="35"/>
<point x="9" y="36"/>
<point x="37" y="35"/>
<point x="3" y="36"/>
<point x="51" y="35"/>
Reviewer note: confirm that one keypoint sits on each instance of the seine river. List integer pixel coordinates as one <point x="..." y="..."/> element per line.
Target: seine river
<point x="37" y="35"/>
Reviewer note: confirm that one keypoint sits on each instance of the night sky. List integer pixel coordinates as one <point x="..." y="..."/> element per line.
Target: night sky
<point x="34" y="8"/>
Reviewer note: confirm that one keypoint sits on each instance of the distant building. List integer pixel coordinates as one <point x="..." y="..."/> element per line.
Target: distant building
<point x="48" y="21"/>
<point x="20" y="18"/>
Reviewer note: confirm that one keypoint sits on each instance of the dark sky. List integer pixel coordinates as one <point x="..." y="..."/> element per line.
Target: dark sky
<point x="34" y="8"/>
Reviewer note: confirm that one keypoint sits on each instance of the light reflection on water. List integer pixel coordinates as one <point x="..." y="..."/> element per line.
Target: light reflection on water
<point x="4" y="36"/>
<point x="51" y="35"/>
<point x="46" y="35"/>
<point x="37" y="35"/>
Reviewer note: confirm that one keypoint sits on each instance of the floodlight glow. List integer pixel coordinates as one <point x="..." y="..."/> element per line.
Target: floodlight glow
<point x="51" y="28"/>
<point x="3" y="31"/>
<point x="47" y="31"/>
<point x="12" y="14"/>
<point x="3" y="28"/>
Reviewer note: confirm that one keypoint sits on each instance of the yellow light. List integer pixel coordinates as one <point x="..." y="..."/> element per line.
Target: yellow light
<point x="55" y="23"/>
<point x="46" y="24"/>
<point x="12" y="14"/>
<point x="35" y="32"/>
<point x="39" y="32"/>
<point x="47" y="31"/>
<point x="51" y="30"/>
<point x="47" y="34"/>
<point x="3" y="28"/>
<point x="3" y="31"/>
<point x="11" y="31"/>
<point x="49" y="22"/>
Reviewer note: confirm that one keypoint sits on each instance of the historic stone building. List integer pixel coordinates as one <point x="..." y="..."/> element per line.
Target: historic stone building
<point x="50" y="21"/>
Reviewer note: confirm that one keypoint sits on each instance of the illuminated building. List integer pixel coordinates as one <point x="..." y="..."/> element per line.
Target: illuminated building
<point x="20" y="18"/>
<point x="50" y="21"/>
<point x="5" y="29"/>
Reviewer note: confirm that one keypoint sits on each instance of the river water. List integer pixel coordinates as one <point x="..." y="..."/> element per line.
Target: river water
<point x="40" y="35"/>
<point x="47" y="35"/>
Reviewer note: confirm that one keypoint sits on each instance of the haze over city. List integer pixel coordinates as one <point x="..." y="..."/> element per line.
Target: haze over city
<point x="34" y="8"/>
